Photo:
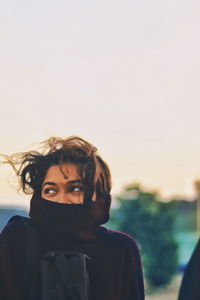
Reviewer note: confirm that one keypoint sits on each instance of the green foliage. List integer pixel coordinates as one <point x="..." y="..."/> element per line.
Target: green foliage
<point x="150" y="222"/>
<point x="185" y="215"/>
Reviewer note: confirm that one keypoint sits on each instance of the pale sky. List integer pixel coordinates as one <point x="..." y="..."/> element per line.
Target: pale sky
<point x="122" y="74"/>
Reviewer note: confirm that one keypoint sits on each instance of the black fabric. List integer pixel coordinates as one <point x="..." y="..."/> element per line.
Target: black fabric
<point x="190" y="286"/>
<point x="64" y="276"/>
<point x="114" y="270"/>
<point x="61" y="275"/>
<point x="60" y="222"/>
<point x="31" y="280"/>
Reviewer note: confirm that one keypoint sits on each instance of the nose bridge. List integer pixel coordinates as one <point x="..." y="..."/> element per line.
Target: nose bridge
<point x="62" y="196"/>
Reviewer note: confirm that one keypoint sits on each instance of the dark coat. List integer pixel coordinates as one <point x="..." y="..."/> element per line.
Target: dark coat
<point x="115" y="270"/>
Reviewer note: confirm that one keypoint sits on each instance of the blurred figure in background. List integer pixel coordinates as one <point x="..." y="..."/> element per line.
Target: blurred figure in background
<point x="190" y="286"/>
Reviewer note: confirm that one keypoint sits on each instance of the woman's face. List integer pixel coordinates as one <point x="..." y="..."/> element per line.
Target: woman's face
<point x="62" y="184"/>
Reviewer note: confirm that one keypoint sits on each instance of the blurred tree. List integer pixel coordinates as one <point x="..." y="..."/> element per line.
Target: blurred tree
<point x="150" y="222"/>
<point x="185" y="212"/>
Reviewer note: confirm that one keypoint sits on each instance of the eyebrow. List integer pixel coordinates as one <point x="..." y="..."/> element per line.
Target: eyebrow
<point x="68" y="183"/>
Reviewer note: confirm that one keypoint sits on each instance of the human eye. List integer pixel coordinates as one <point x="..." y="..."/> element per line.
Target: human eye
<point x="49" y="191"/>
<point x="76" y="189"/>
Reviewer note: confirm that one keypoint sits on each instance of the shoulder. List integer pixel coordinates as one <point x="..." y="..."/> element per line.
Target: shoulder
<point x="13" y="255"/>
<point x="128" y="247"/>
<point x="194" y="262"/>
<point x="121" y="238"/>
<point x="14" y="232"/>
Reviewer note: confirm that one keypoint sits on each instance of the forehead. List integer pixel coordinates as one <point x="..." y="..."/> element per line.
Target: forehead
<point x="62" y="172"/>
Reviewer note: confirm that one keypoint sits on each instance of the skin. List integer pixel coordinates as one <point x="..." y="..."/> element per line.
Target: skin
<point x="62" y="184"/>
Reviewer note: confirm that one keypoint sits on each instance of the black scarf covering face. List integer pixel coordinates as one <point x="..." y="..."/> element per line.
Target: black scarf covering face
<point x="60" y="222"/>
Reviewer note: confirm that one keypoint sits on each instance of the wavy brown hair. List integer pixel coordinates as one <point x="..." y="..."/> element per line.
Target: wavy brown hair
<point x="31" y="167"/>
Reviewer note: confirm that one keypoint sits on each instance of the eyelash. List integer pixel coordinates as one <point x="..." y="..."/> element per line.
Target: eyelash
<point x="47" y="191"/>
<point x="71" y="190"/>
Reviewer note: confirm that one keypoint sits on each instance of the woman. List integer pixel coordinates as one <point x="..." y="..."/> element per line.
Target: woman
<point x="70" y="186"/>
